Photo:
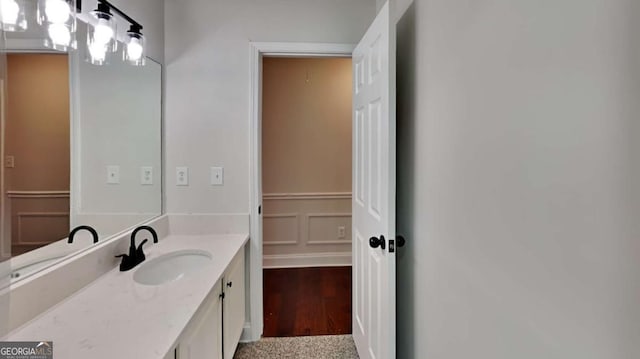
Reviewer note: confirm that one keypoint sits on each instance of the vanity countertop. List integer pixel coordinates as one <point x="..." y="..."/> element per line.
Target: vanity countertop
<point x="115" y="317"/>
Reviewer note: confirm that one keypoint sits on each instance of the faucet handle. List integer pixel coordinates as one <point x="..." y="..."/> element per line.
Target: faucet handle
<point x="140" y="253"/>
<point x="127" y="262"/>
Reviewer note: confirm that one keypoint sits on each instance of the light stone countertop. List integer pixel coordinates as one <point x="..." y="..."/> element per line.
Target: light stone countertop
<point x="115" y="317"/>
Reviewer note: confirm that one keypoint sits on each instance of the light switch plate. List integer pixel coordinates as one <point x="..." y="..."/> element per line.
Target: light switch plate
<point x="217" y="176"/>
<point x="113" y="174"/>
<point x="146" y="175"/>
<point x="9" y="161"/>
<point x="182" y="176"/>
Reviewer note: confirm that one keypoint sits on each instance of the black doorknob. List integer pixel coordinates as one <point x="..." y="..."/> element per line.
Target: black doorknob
<point x="376" y="242"/>
<point x="400" y="241"/>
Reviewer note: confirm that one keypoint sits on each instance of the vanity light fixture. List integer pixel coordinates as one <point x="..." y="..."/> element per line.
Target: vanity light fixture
<point x="101" y="37"/>
<point x="134" y="51"/>
<point x="59" y="19"/>
<point x="12" y="16"/>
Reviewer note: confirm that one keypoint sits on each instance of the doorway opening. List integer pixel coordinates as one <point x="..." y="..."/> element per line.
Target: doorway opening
<point x="36" y="152"/>
<point x="306" y="138"/>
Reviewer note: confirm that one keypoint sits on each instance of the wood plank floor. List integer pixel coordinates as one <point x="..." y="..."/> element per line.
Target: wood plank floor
<point x="307" y="301"/>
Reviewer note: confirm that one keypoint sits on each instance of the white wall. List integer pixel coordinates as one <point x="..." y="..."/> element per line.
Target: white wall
<point x="118" y="124"/>
<point x="518" y="179"/>
<point x="207" y="99"/>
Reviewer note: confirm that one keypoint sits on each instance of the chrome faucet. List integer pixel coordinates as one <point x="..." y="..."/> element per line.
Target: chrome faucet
<point x="136" y="255"/>
<point x="87" y="228"/>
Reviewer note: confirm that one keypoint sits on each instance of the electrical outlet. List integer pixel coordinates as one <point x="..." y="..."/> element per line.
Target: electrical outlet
<point x="9" y="161"/>
<point x="182" y="176"/>
<point x="146" y="175"/>
<point x="342" y="232"/>
<point x="217" y="176"/>
<point x="113" y="174"/>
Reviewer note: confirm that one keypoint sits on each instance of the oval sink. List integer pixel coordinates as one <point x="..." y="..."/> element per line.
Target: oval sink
<point x="171" y="266"/>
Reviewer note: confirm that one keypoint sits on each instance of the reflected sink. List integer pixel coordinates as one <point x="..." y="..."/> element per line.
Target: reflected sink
<point x="171" y="266"/>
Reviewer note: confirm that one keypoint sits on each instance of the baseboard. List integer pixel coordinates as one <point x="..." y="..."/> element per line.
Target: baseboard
<point x="246" y="334"/>
<point x="332" y="259"/>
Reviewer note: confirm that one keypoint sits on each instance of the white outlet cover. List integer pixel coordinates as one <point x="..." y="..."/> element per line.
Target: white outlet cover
<point x="113" y="174"/>
<point x="217" y="176"/>
<point x="182" y="176"/>
<point x="146" y="175"/>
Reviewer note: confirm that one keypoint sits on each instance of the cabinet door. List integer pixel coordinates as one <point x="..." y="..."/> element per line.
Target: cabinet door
<point x="203" y="339"/>
<point x="234" y="307"/>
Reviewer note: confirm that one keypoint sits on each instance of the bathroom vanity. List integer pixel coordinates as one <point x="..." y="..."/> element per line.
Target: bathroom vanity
<point x="197" y="314"/>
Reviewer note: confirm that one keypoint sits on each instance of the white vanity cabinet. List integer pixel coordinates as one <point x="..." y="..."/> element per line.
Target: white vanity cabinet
<point x="217" y="325"/>
<point x="233" y="305"/>
<point x="203" y="337"/>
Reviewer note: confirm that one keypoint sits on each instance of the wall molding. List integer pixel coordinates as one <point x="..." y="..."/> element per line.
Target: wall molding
<point x="256" y="260"/>
<point x="38" y="194"/>
<point x="308" y="217"/>
<point x="306" y="195"/>
<point x="333" y="259"/>
<point x="283" y="215"/>
<point x="21" y="215"/>
<point x="337" y="241"/>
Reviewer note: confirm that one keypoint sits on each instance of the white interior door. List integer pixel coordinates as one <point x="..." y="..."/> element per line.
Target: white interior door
<point x="374" y="146"/>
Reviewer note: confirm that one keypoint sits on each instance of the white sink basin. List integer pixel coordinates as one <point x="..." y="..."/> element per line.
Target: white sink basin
<point x="171" y="266"/>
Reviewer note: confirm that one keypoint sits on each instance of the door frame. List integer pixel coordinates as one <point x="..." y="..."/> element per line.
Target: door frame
<point x="253" y="329"/>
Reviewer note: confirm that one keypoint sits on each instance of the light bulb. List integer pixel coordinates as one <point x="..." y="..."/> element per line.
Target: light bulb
<point x="134" y="49"/>
<point x="102" y="32"/>
<point x="57" y="11"/>
<point x="59" y="34"/>
<point x="98" y="52"/>
<point x="9" y="10"/>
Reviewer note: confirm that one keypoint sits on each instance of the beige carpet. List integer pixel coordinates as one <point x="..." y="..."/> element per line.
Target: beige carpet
<point x="323" y="346"/>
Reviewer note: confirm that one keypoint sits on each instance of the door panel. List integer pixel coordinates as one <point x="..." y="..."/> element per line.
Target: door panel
<point x="374" y="187"/>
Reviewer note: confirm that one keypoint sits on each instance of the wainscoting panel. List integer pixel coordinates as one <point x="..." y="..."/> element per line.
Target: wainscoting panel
<point x="305" y="229"/>
<point x="281" y="229"/>
<point x="324" y="228"/>
<point x="34" y="228"/>
<point x="37" y="218"/>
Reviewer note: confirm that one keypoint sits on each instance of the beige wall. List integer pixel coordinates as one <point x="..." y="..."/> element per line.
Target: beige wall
<point x="38" y="122"/>
<point x="306" y="161"/>
<point x="306" y="125"/>
<point x="37" y="136"/>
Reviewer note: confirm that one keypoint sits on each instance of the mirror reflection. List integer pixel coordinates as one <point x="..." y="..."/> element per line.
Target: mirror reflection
<point x="37" y="150"/>
<point x="81" y="146"/>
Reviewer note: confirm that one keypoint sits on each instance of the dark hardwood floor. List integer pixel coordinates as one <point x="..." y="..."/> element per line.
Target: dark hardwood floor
<point x="307" y="301"/>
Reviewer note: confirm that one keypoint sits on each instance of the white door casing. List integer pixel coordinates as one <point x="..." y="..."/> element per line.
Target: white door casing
<point x="374" y="189"/>
<point x="253" y="329"/>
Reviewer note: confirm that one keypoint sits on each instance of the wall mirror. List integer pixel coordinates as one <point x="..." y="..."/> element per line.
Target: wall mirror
<point x="81" y="145"/>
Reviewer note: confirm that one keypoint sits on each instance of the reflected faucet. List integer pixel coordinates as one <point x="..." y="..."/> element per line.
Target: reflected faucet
<point x="136" y="255"/>
<point x="140" y="228"/>
<point x="88" y="228"/>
